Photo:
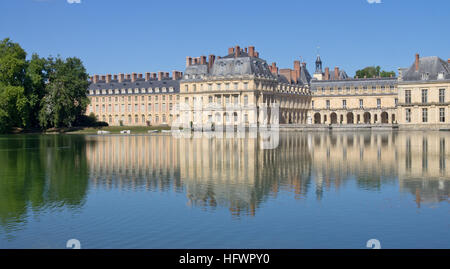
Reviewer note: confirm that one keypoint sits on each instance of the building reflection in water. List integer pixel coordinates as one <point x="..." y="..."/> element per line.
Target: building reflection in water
<point x="236" y="173"/>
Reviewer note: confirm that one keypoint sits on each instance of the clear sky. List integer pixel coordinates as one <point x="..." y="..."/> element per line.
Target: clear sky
<point x="124" y="36"/>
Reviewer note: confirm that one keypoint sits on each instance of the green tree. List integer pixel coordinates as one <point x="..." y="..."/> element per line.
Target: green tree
<point x="373" y="71"/>
<point x="65" y="99"/>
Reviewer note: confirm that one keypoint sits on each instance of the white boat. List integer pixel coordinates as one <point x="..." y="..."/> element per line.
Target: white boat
<point x="152" y="131"/>
<point x="125" y="132"/>
<point x="103" y="132"/>
<point x="166" y="131"/>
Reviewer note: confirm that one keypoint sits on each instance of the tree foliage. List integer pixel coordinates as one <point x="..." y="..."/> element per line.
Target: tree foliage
<point x="40" y="92"/>
<point x="373" y="71"/>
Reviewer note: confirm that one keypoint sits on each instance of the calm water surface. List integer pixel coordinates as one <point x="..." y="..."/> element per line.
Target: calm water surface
<point x="315" y="190"/>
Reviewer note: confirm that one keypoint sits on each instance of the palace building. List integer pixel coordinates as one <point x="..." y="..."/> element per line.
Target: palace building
<point x="232" y="89"/>
<point x="338" y="99"/>
<point x="134" y="100"/>
<point x="241" y="89"/>
<point x="424" y="93"/>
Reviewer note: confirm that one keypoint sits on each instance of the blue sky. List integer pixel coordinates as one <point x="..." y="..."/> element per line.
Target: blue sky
<point x="113" y="36"/>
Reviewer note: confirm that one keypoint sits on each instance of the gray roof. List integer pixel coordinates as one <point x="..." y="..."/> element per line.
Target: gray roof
<point x="429" y="69"/>
<point x="231" y="66"/>
<point x="139" y="83"/>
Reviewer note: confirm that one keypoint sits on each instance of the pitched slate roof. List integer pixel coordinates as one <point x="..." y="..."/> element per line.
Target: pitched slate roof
<point x="429" y="69"/>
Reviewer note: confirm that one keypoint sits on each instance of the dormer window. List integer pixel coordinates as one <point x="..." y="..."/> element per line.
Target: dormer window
<point x="440" y="75"/>
<point x="425" y="76"/>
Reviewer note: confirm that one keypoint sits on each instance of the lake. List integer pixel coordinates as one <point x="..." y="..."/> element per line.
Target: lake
<point x="314" y="190"/>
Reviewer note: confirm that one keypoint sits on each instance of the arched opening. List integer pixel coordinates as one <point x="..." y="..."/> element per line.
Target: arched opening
<point x="341" y="119"/>
<point x="333" y="117"/>
<point x="317" y="118"/>
<point x="384" y="118"/>
<point x="367" y="118"/>
<point x="350" y="119"/>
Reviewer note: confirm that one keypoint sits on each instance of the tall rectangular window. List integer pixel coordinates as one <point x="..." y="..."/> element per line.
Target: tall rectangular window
<point x="424" y="115"/>
<point x="396" y="102"/>
<point x="328" y="104"/>
<point x="424" y="96"/>
<point x="378" y="103"/>
<point x="442" y="114"/>
<point x="312" y="104"/>
<point x="441" y="96"/>
<point x="408" y="115"/>
<point x="361" y="103"/>
<point x="407" y="96"/>
<point x="344" y="104"/>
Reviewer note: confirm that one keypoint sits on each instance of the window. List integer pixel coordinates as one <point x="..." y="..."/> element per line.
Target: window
<point x="361" y="103"/>
<point x="245" y="86"/>
<point x="407" y="96"/>
<point x="194" y="88"/>
<point x="408" y="115"/>
<point x="218" y="87"/>
<point x="378" y="103"/>
<point x="156" y="107"/>
<point x="186" y="100"/>
<point x="424" y="115"/>
<point x="312" y="104"/>
<point x="149" y="107"/>
<point x="209" y="87"/>
<point x="328" y="104"/>
<point x="344" y="104"/>
<point x="186" y="88"/>
<point x="442" y="114"/>
<point x="441" y="96"/>
<point x="396" y="102"/>
<point x="424" y="96"/>
<point x="236" y="85"/>
<point x="245" y="99"/>
<point x="210" y="99"/>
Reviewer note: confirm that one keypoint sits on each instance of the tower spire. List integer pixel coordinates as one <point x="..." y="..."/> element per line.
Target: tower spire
<point x="318" y="63"/>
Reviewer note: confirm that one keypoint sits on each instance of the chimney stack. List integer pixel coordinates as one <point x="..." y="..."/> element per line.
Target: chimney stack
<point x="121" y="77"/>
<point x="167" y="75"/>
<point x="274" y="68"/>
<point x="251" y="51"/>
<point x="160" y="75"/>
<point x="256" y="54"/>
<point x="128" y="77"/>
<point x="115" y="77"/>
<point x="237" y="52"/>
<point x="147" y="76"/>
<point x="133" y="77"/>
<point x="417" y="61"/>
<point x="327" y="73"/>
<point x="336" y="73"/>
<point x="448" y="60"/>
<point x="188" y="61"/>
<point x="140" y="75"/>
<point x="154" y="76"/>
<point x="203" y="60"/>
<point x="230" y="50"/>
<point x="96" y="78"/>
<point x="103" y="78"/>
<point x="108" y="78"/>
<point x="211" y="60"/>
<point x="297" y="68"/>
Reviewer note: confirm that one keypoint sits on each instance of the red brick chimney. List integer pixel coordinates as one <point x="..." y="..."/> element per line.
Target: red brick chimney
<point x="133" y="77"/>
<point x="230" y="50"/>
<point x="108" y="78"/>
<point x="167" y="75"/>
<point x="336" y="73"/>
<point x="121" y="77"/>
<point x="237" y="51"/>
<point x="448" y="60"/>
<point x="147" y="76"/>
<point x="327" y="73"/>
<point x="128" y="77"/>
<point x="140" y="75"/>
<point x="274" y="69"/>
<point x="417" y="61"/>
<point x="154" y="76"/>
<point x="95" y="78"/>
<point x="203" y="60"/>
<point x="188" y="61"/>
<point x="115" y="77"/>
<point x="103" y="78"/>
<point x="251" y="51"/>
<point x="160" y="75"/>
<point x="297" y="68"/>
